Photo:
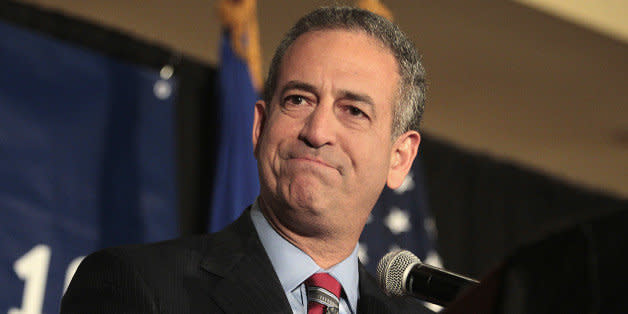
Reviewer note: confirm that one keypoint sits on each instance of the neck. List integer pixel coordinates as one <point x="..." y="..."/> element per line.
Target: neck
<point x="325" y="248"/>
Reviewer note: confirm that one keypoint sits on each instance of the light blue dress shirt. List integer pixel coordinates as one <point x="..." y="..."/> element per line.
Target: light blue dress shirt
<point x="293" y="267"/>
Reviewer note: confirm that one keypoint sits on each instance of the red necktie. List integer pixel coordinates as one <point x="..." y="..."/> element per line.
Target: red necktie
<point x="323" y="294"/>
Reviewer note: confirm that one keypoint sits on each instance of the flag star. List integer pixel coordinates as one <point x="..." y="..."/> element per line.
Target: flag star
<point x="406" y="185"/>
<point x="434" y="307"/>
<point x="397" y="221"/>
<point x="162" y="89"/>
<point x="430" y="227"/>
<point x="363" y="253"/>
<point x="394" y="247"/>
<point x="369" y="219"/>
<point x="433" y="259"/>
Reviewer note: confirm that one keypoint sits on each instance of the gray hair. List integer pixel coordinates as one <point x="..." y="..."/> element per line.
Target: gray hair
<point x="412" y="86"/>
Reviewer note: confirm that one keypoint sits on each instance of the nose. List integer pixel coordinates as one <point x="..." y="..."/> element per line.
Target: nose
<point x="318" y="129"/>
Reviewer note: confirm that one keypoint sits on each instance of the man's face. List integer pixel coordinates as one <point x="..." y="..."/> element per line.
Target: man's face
<point x="323" y="144"/>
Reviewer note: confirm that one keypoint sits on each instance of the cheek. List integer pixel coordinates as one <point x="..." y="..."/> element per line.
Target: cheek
<point x="370" y="159"/>
<point x="282" y="130"/>
<point x="272" y="146"/>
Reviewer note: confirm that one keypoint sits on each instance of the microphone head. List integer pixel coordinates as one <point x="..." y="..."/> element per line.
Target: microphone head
<point x="393" y="270"/>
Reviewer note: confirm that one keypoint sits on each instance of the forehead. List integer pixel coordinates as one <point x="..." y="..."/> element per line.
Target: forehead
<point x="336" y="59"/>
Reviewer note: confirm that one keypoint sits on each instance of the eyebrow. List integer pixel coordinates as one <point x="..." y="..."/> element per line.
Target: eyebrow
<point x="364" y="98"/>
<point x="346" y="94"/>
<point x="298" y="85"/>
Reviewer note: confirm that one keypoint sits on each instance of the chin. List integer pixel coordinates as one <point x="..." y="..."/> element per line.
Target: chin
<point x="307" y="201"/>
<point x="308" y="193"/>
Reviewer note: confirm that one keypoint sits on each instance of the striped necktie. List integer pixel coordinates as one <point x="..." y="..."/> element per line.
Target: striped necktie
<point x="323" y="294"/>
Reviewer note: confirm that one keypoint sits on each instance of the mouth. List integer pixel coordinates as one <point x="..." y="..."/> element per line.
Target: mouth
<point x="314" y="161"/>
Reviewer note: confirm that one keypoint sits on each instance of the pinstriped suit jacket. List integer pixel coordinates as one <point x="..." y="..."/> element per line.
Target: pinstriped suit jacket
<point x="225" y="272"/>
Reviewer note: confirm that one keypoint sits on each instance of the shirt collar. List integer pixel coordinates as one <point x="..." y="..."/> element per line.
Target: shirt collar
<point x="293" y="266"/>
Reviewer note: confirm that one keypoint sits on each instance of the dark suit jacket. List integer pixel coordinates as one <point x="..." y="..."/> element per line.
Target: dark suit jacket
<point x="225" y="272"/>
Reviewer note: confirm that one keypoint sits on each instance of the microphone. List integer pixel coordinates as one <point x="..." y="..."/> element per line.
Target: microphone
<point x="401" y="273"/>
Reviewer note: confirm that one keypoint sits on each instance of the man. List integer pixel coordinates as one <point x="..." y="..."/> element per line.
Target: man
<point x="339" y="119"/>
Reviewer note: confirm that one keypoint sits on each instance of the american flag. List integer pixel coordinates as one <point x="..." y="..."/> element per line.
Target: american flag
<point x="401" y="220"/>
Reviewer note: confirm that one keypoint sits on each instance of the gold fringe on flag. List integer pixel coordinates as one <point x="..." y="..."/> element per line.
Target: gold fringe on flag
<point x="240" y="18"/>
<point x="376" y="7"/>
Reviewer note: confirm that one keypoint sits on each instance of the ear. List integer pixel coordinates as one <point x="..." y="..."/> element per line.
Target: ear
<point x="259" y="121"/>
<point x="401" y="158"/>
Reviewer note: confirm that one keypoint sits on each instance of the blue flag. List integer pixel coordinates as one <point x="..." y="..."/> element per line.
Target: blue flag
<point x="236" y="183"/>
<point x="86" y="161"/>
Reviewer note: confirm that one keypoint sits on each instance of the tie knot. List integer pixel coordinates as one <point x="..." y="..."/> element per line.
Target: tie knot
<point x="323" y="290"/>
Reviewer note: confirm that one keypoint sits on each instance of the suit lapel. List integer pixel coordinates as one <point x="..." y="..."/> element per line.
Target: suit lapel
<point x="372" y="299"/>
<point x="249" y="282"/>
